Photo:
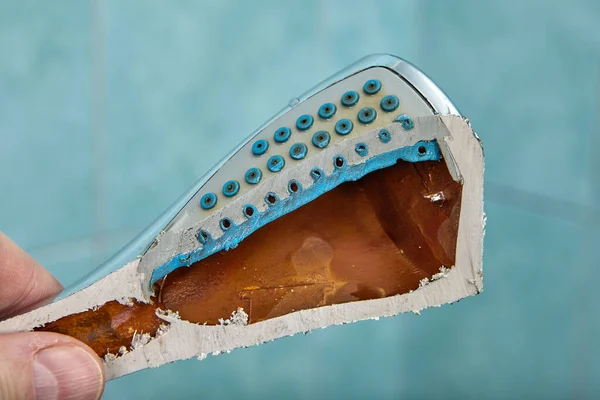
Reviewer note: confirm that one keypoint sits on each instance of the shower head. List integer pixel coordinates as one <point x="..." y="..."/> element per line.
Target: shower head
<point x="361" y="198"/>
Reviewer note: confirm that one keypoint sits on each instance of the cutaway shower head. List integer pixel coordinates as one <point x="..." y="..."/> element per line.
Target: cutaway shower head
<point x="360" y="199"/>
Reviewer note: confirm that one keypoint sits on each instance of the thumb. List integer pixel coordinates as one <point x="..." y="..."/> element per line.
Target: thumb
<point x="44" y="365"/>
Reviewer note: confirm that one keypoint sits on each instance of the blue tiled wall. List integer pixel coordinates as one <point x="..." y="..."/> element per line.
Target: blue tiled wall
<point x="111" y="109"/>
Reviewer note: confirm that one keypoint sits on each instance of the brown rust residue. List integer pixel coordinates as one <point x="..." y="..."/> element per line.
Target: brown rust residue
<point x="109" y="327"/>
<point x="376" y="237"/>
<point x="373" y="238"/>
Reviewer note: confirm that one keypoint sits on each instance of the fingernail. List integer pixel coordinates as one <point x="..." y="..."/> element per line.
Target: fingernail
<point x="67" y="372"/>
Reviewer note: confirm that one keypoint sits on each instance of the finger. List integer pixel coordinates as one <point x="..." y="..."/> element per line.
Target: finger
<point x="24" y="285"/>
<point x="45" y="365"/>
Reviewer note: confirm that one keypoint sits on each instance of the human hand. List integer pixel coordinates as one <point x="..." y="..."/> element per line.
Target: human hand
<point x="39" y="365"/>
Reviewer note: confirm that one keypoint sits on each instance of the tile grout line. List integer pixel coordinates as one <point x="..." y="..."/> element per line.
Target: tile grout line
<point x="98" y="130"/>
<point x="582" y="326"/>
<point x="82" y="247"/>
<point x="541" y="204"/>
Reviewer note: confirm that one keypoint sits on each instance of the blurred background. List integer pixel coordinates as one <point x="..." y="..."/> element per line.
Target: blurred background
<point x="109" y="110"/>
